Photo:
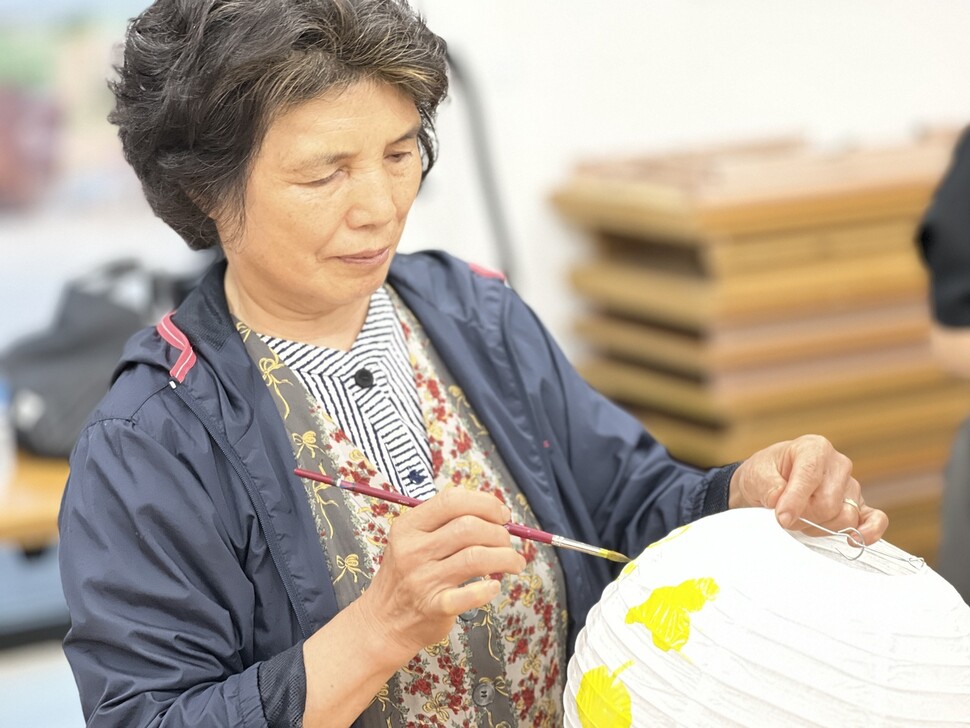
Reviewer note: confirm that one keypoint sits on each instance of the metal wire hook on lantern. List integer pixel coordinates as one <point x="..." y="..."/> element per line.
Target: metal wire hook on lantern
<point x="855" y="539"/>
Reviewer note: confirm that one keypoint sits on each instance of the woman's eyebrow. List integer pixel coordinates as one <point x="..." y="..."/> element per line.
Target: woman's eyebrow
<point x="325" y="159"/>
<point x="411" y="133"/>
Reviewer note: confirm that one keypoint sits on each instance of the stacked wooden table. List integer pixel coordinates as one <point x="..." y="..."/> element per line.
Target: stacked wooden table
<point x="742" y="296"/>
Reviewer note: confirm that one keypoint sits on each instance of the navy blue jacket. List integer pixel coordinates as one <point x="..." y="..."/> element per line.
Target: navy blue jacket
<point x="188" y="552"/>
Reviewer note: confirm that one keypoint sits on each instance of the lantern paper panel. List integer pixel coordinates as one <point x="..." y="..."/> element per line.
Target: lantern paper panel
<point x="734" y="621"/>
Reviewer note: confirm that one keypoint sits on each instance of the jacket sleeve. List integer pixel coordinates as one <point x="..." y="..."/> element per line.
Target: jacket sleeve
<point x="159" y="601"/>
<point x="626" y="481"/>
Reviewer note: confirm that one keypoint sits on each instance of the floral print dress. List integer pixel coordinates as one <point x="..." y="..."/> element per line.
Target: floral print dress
<point x="500" y="666"/>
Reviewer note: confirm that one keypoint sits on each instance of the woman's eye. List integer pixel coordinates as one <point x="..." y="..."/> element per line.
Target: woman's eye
<point x="324" y="180"/>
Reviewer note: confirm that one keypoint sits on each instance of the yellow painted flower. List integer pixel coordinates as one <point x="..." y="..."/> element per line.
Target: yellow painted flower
<point x="602" y="700"/>
<point x="666" y="613"/>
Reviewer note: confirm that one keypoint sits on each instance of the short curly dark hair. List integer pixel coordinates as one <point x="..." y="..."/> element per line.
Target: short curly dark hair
<point x="202" y="80"/>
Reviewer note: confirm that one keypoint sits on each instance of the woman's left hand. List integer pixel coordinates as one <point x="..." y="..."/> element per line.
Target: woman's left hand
<point x="806" y="478"/>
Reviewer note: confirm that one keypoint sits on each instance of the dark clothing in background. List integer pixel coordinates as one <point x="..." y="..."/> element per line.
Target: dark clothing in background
<point x="944" y="239"/>
<point x="953" y="562"/>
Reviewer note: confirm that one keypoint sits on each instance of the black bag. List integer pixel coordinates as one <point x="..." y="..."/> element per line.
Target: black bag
<point x="58" y="376"/>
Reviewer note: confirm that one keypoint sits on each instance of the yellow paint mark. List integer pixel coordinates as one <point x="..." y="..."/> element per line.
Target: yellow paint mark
<point x="670" y="536"/>
<point x="629" y="568"/>
<point x="666" y="611"/>
<point x="602" y="701"/>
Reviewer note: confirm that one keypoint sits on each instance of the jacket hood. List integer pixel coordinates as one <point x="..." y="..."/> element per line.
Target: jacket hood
<point x="469" y="295"/>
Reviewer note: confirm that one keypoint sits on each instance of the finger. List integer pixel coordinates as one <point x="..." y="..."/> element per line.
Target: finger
<point x="848" y="509"/>
<point x="465" y="531"/>
<point x="451" y="503"/>
<point x="872" y="524"/>
<point x="793" y="500"/>
<point x="475" y="561"/>
<point x="852" y="504"/>
<point x="423" y="579"/>
<point x="455" y="600"/>
<point x="819" y="479"/>
<point x="420" y="553"/>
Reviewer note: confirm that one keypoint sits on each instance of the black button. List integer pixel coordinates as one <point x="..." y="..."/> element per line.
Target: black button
<point x="469" y="615"/>
<point x="364" y="379"/>
<point x="483" y="694"/>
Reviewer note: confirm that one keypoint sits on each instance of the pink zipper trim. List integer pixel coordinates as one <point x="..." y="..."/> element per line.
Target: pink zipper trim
<point x="486" y="272"/>
<point x="171" y="333"/>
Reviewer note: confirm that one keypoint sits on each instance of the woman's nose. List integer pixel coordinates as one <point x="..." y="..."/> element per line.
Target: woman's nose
<point x="373" y="203"/>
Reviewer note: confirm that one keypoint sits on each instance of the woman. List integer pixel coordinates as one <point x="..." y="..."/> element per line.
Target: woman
<point x="208" y="585"/>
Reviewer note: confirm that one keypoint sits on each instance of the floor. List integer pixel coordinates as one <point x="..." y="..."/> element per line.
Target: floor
<point x="37" y="688"/>
<point x="36" y="685"/>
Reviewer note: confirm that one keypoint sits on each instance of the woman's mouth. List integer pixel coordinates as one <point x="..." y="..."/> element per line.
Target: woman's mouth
<point x="367" y="257"/>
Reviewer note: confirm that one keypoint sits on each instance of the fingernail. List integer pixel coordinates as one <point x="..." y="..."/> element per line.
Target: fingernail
<point x="786" y="519"/>
<point x="507" y="513"/>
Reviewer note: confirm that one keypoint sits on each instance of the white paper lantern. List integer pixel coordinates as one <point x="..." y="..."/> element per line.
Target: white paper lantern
<point x="734" y="621"/>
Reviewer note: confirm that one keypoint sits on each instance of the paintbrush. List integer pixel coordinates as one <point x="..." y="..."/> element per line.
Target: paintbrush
<point x="516" y="529"/>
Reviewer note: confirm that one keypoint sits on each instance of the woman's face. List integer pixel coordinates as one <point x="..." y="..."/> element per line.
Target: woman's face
<point x="325" y="204"/>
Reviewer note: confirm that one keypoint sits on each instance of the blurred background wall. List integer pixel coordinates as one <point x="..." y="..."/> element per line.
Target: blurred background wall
<point x="560" y="81"/>
<point x="567" y="80"/>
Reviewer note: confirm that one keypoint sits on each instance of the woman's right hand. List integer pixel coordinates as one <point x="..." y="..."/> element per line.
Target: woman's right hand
<point x="433" y="552"/>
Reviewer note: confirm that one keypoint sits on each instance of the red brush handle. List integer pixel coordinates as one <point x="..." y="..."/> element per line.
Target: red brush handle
<point x="533" y="534"/>
<point x="388" y="495"/>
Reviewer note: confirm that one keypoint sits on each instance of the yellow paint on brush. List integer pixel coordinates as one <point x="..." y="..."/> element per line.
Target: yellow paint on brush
<point x="666" y="613"/>
<point x="602" y="701"/>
